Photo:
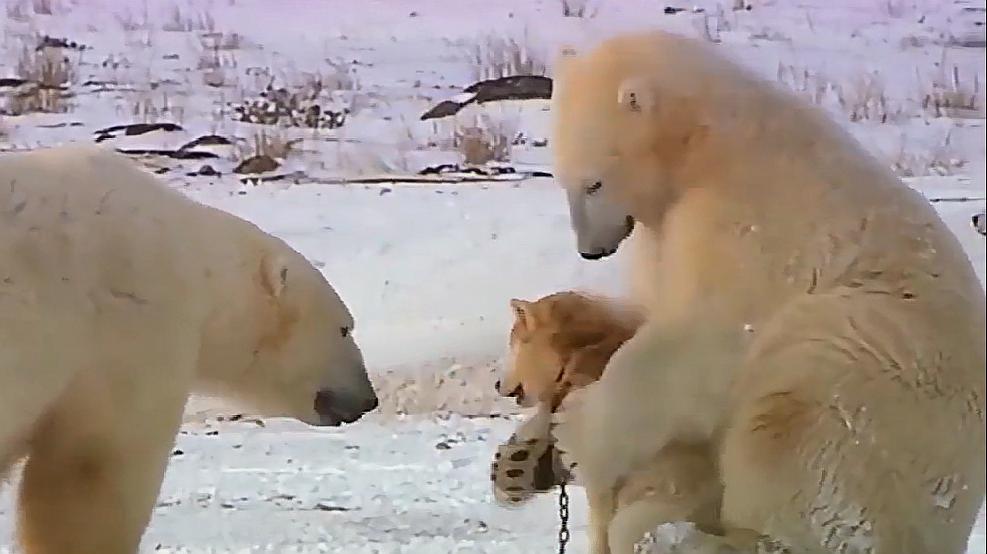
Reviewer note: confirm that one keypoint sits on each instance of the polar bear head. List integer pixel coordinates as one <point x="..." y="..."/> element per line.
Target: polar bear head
<point x="621" y="135"/>
<point x="282" y="340"/>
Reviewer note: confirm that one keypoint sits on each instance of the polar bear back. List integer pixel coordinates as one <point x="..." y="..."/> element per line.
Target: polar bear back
<point x="83" y="225"/>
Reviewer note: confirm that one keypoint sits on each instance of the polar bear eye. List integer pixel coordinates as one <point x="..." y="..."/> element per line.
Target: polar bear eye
<point x="344" y="332"/>
<point x="594" y="188"/>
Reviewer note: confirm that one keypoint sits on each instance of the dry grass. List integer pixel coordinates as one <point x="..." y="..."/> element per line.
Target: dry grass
<point x="712" y="24"/>
<point x="323" y="99"/>
<point x="862" y="99"/>
<point x="222" y="41"/>
<point x="865" y="99"/>
<point x="21" y="10"/>
<point x="42" y="7"/>
<point x="49" y="72"/>
<point x="953" y="96"/>
<point x="497" y="56"/>
<point x="485" y="139"/>
<point x="48" y="67"/>
<point x="216" y="59"/>
<point x="16" y="11"/>
<point x="130" y="21"/>
<point x="149" y="107"/>
<point x="918" y="162"/>
<point x="273" y="144"/>
<point x="578" y="8"/>
<point x="180" y="21"/>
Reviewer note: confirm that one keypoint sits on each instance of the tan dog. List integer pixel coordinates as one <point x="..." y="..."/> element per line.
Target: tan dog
<point x="562" y="342"/>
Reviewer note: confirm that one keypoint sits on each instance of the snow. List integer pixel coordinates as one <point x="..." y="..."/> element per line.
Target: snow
<point x="428" y="267"/>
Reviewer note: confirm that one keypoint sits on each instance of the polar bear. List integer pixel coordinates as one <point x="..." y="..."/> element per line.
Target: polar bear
<point x="812" y="317"/>
<point x="118" y="297"/>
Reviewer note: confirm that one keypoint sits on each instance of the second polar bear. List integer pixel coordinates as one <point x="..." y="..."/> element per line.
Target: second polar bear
<point x="812" y="317"/>
<point x="119" y="297"/>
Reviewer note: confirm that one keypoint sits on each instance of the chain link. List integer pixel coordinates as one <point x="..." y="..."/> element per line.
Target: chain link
<point x="563" y="518"/>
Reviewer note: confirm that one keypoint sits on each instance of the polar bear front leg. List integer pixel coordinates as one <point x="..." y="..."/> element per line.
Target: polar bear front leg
<point x="96" y="464"/>
<point x="664" y="384"/>
<point x="602" y="504"/>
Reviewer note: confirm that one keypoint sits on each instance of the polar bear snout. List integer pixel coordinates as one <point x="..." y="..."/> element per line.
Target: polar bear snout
<point x="600" y="223"/>
<point x="593" y="252"/>
<point x="335" y="408"/>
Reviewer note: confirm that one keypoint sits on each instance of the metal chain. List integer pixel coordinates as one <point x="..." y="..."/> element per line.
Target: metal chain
<point x="563" y="518"/>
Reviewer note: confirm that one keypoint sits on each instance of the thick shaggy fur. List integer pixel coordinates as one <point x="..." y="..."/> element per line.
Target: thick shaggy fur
<point x="811" y="318"/>
<point x="560" y="343"/>
<point x="118" y="297"/>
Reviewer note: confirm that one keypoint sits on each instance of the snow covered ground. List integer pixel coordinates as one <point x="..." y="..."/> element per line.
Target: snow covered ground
<point x="428" y="268"/>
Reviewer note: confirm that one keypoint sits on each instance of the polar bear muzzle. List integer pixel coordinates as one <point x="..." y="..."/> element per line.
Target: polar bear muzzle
<point x="600" y="223"/>
<point x="336" y="408"/>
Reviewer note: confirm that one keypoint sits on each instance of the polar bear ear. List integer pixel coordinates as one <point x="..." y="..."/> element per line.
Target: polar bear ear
<point x="274" y="275"/>
<point x="636" y="94"/>
<point x="523" y="313"/>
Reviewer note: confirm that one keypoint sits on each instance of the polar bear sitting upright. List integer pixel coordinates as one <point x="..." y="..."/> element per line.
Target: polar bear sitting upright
<point x="813" y="318"/>
<point x="118" y="297"/>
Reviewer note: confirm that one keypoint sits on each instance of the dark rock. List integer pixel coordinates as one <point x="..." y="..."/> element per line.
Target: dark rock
<point x="514" y="87"/>
<point x="54" y="42"/>
<point x="208" y="171"/>
<point x="174" y="154"/>
<point x="135" y="129"/>
<point x="207" y="140"/>
<point x="261" y="163"/>
<point x="12" y="82"/>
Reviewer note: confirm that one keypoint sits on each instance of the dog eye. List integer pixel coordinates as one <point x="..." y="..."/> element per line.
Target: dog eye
<point x="344" y="332"/>
<point x="594" y="188"/>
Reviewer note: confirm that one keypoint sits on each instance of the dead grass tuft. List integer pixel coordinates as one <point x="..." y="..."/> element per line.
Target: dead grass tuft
<point x="180" y="21"/>
<point x="578" y="8"/>
<point x="273" y="144"/>
<point x="497" y="56"/>
<point x="485" y="139"/>
<point x="951" y="95"/>
<point x="48" y="72"/>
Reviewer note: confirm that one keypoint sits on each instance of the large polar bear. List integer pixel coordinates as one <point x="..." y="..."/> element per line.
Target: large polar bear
<point x="118" y="297"/>
<point x="811" y="316"/>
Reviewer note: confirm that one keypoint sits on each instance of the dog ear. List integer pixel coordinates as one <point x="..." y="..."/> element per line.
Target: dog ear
<point x="523" y="312"/>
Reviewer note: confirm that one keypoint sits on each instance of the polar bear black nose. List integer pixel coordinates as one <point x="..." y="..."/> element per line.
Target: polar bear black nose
<point x="597" y="254"/>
